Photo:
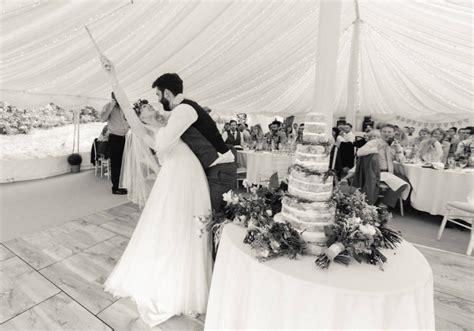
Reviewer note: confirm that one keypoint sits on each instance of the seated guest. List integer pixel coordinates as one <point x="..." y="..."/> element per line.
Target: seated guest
<point x="466" y="145"/>
<point x="440" y="135"/>
<point x="453" y="138"/>
<point x="244" y="131"/>
<point x="256" y="133"/>
<point x="232" y="137"/>
<point x="432" y="150"/>
<point x="295" y="128"/>
<point x="388" y="150"/>
<point x="345" y="141"/>
<point x="386" y="146"/>
<point x="226" y="128"/>
<point x="402" y="137"/>
<point x="276" y="135"/>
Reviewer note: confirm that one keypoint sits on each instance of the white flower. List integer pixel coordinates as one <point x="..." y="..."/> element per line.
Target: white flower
<point x="235" y="200"/>
<point x="269" y="212"/>
<point x="253" y="190"/>
<point x="245" y="183"/>
<point x="242" y="218"/>
<point x="367" y="229"/>
<point x="227" y="196"/>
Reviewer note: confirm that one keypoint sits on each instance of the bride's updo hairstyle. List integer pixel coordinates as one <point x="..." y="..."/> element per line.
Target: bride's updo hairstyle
<point x="137" y="106"/>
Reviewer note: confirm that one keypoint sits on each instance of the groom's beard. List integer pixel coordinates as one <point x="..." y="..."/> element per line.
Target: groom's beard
<point x="166" y="104"/>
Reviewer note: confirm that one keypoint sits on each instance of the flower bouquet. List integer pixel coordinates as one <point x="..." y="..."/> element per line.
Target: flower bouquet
<point x="360" y="232"/>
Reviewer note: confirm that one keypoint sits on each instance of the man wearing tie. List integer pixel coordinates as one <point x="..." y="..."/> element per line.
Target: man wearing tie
<point x="233" y="136"/>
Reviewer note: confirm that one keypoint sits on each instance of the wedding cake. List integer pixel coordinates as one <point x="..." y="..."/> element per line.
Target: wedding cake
<point x="309" y="186"/>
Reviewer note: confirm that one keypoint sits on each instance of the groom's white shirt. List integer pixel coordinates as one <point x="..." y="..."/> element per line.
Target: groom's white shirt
<point x="181" y="118"/>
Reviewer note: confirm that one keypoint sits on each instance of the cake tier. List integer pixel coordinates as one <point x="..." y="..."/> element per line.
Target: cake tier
<point x="311" y="149"/>
<point x="315" y="138"/>
<point x="300" y="225"/>
<point x="309" y="186"/>
<point x="311" y="196"/>
<point x="315" y="117"/>
<point x="308" y="212"/>
<point x="315" y="127"/>
<point x="322" y="166"/>
<point x="315" y="158"/>
<point x="299" y="174"/>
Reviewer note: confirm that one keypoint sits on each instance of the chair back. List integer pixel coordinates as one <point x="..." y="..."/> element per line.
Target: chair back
<point x="367" y="176"/>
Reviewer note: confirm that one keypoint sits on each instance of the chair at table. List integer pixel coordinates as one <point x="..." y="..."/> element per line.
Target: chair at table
<point x="102" y="163"/>
<point x="384" y="188"/>
<point x="459" y="210"/>
<point x="241" y="175"/>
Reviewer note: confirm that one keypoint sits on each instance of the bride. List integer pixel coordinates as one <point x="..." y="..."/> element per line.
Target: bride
<point x="166" y="267"/>
<point x="139" y="164"/>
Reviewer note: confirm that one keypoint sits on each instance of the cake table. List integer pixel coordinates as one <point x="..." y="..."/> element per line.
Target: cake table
<point x="295" y="294"/>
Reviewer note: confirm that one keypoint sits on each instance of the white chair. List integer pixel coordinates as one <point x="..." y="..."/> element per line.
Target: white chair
<point x="459" y="210"/>
<point x="102" y="164"/>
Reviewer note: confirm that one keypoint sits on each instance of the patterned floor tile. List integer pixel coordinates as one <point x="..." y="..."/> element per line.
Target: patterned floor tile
<point x="82" y="275"/>
<point x="21" y="287"/>
<point x="57" y="313"/>
<point x="57" y="243"/>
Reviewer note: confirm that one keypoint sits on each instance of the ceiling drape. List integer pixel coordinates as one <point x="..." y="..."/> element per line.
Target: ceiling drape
<point x="240" y="56"/>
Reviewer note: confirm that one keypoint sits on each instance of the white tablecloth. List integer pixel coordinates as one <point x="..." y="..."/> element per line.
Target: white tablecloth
<point x="261" y="165"/>
<point x="295" y="294"/>
<point x="433" y="188"/>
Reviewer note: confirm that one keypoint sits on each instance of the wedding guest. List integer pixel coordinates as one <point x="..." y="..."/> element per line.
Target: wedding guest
<point x="226" y="128"/>
<point x="452" y="134"/>
<point x="407" y="130"/>
<point x="440" y="135"/>
<point x="299" y="135"/>
<point x="402" y="137"/>
<point x="466" y="146"/>
<point x="233" y="136"/>
<point x="118" y="128"/>
<point x="289" y="134"/>
<point x="388" y="150"/>
<point x="276" y="135"/>
<point x="295" y="127"/>
<point x="345" y="141"/>
<point x="431" y="150"/>
<point x="256" y="133"/>
<point x="335" y="157"/>
<point x="244" y="131"/>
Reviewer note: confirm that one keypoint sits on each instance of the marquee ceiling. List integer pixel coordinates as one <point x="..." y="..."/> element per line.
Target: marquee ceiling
<point x="240" y="56"/>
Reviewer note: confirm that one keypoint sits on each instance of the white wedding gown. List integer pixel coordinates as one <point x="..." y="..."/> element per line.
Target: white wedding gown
<point x="166" y="267"/>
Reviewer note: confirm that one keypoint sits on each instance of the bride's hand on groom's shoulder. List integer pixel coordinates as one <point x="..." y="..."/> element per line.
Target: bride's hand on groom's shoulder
<point x="107" y="65"/>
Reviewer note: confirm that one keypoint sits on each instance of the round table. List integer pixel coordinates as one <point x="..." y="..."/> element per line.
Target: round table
<point x="295" y="294"/>
<point x="433" y="188"/>
<point x="262" y="165"/>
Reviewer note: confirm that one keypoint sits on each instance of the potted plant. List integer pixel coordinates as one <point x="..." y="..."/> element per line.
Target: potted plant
<point x="75" y="161"/>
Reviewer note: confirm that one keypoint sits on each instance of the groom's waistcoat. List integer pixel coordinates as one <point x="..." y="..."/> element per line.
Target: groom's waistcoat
<point x="203" y="137"/>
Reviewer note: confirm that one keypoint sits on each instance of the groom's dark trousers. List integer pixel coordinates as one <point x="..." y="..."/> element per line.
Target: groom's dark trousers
<point x="221" y="179"/>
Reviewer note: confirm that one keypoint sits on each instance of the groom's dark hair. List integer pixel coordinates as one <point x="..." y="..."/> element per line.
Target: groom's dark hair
<point x="171" y="82"/>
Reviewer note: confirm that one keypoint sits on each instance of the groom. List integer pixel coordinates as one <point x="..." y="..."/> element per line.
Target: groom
<point x="199" y="131"/>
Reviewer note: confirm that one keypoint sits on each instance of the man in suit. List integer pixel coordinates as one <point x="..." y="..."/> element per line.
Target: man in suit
<point x="199" y="131"/>
<point x="233" y="136"/>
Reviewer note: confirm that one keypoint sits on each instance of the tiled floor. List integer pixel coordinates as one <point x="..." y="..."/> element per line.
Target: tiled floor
<point x="53" y="279"/>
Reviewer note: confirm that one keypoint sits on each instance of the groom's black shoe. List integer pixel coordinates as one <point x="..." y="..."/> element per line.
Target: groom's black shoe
<point x="120" y="191"/>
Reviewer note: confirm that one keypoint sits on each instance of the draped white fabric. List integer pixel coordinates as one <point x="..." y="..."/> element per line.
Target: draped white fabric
<point x="240" y="56"/>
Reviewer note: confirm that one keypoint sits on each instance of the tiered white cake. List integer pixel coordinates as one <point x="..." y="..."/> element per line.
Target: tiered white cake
<point x="306" y="207"/>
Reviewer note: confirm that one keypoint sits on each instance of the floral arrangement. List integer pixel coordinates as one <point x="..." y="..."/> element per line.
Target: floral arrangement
<point x="21" y="121"/>
<point x="360" y="232"/>
<point x="255" y="211"/>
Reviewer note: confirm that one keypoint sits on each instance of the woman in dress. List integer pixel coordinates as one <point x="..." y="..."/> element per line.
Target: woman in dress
<point x="430" y="150"/>
<point x="166" y="267"/>
<point x="140" y="165"/>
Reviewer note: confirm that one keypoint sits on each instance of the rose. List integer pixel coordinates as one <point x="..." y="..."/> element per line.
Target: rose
<point x="235" y="200"/>
<point x="227" y="197"/>
<point x="367" y="229"/>
<point x="269" y="212"/>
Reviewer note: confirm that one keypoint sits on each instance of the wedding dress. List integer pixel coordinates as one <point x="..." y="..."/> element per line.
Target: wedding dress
<point x="139" y="169"/>
<point x="166" y="267"/>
